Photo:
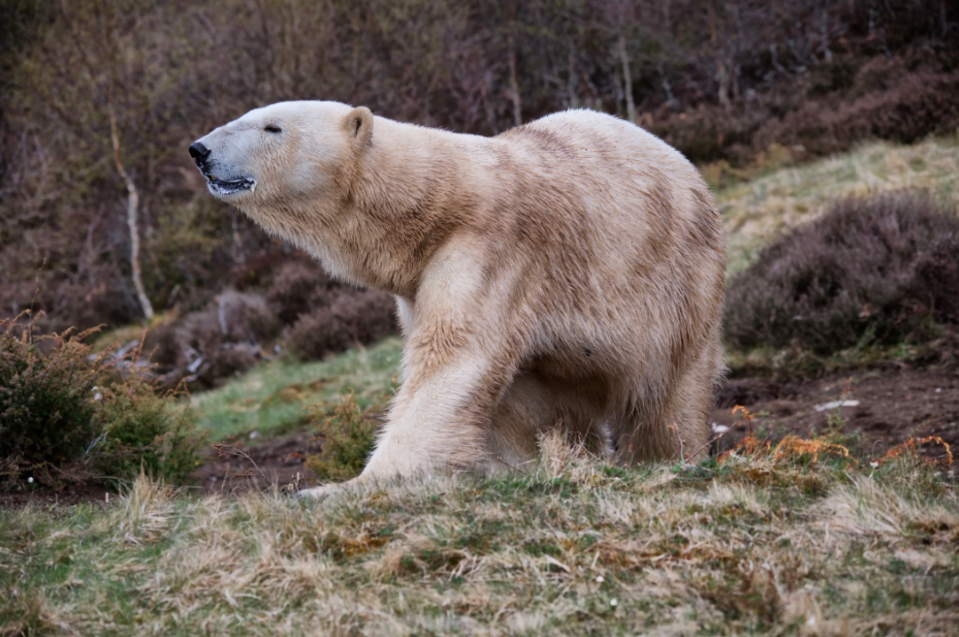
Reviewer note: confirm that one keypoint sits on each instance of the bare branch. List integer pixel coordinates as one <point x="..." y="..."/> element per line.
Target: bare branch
<point x="133" y="204"/>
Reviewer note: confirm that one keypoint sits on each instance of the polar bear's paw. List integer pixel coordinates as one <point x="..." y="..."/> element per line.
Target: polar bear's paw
<point x="316" y="493"/>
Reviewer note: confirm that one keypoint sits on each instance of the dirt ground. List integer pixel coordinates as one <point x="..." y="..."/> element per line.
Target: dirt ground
<point x="66" y="494"/>
<point x="277" y="460"/>
<point x="881" y="408"/>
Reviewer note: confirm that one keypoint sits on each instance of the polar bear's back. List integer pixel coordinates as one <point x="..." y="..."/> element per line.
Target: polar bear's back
<point x="587" y="127"/>
<point x="609" y="165"/>
<point x="604" y="139"/>
<point x="625" y="190"/>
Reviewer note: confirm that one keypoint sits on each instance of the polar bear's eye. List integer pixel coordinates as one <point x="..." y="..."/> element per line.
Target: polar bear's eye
<point x="270" y="128"/>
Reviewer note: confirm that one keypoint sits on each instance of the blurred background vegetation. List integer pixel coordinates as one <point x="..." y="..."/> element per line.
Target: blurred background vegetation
<point x="99" y="101"/>
<point x="104" y="220"/>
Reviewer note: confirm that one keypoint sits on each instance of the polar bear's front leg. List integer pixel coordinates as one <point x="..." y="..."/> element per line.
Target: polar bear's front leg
<point x="461" y="353"/>
<point x="440" y="417"/>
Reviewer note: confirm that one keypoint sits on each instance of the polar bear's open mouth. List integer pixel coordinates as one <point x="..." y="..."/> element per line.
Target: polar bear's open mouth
<point x="229" y="187"/>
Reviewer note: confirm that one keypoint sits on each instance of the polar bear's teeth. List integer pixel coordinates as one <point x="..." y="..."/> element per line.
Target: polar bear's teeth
<point x="230" y="187"/>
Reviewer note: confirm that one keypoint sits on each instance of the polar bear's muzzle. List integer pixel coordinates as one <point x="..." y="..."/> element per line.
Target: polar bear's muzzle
<point x="218" y="184"/>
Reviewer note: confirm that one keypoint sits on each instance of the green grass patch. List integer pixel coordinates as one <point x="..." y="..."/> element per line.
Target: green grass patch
<point x="796" y="363"/>
<point x="273" y="398"/>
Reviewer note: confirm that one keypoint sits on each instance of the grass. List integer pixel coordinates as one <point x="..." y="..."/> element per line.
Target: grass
<point x="755" y="545"/>
<point x="759" y="210"/>
<point x="134" y="332"/>
<point x="272" y="398"/>
<point x="796" y="363"/>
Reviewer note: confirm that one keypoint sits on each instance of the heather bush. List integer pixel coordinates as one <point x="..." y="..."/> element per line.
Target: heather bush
<point x="60" y="405"/>
<point x="162" y="347"/>
<point x="828" y="110"/>
<point x="301" y="305"/>
<point x="912" y="106"/>
<point x="880" y="269"/>
<point x="352" y="318"/>
<point x="348" y="435"/>
<point x="299" y="287"/>
<point x="222" y="340"/>
<point x="46" y="407"/>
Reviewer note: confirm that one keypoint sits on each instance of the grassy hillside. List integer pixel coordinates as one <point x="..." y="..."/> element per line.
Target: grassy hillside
<point x="756" y="545"/>
<point x="273" y="397"/>
<point x="761" y="209"/>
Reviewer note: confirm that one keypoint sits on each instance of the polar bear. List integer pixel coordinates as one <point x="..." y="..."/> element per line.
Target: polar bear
<point x="566" y="273"/>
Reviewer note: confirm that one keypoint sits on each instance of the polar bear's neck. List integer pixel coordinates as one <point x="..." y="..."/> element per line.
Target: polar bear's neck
<point x="412" y="190"/>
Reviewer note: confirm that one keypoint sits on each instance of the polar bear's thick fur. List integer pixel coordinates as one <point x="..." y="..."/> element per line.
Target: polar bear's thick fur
<point x="566" y="273"/>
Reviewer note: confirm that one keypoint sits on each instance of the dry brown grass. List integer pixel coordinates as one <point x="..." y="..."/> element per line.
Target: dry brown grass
<point x="773" y="542"/>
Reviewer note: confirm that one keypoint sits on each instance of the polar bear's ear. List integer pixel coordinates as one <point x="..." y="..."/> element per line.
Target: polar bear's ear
<point x="359" y="126"/>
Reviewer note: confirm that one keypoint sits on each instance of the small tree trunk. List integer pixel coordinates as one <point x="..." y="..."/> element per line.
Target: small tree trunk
<point x="133" y="209"/>
<point x="722" y="74"/>
<point x="133" y="202"/>
<point x="513" y="82"/>
<point x="627" y="80"/>
<point x="238" y="255"/>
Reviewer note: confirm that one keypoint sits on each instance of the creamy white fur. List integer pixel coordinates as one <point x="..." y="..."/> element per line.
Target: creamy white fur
<point x="566" y="273"/>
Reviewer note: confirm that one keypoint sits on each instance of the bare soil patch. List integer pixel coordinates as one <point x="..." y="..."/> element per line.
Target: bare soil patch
<point x="280" y="460"/>
<point x="65" y="494"/>
<point x="880" y="408"/>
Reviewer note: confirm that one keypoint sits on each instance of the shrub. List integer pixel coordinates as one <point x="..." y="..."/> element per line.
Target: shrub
<point x="348" y="435"/>
<point x="353" y="317"/>
<point x="222" y="340"/>
<point x="880" y="269"/>
<point x="60" y="406"/>
<point x="143" y="429"/>
<point x="225" y="337"/>
<point x="297" y="288"/>
<point x="46" y="411"/>
<point x="918" y="104"/>
<point x="827" y="110"/>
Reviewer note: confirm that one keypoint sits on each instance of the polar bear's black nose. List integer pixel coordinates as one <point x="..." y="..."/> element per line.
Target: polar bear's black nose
<point x="199" y="152"/>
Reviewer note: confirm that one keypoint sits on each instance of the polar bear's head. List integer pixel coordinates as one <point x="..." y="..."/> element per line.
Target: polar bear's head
<point x="278" y="155"/>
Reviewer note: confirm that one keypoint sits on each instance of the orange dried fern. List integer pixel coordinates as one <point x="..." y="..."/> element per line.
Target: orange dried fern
<point x="788" y="447"/>
<point x="792" y="446"/>
<point x="750" y="445"/>
<point x="911" y="446"/>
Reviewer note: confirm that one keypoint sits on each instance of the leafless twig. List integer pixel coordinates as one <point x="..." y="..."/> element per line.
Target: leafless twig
<point x="235" y="451"/>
